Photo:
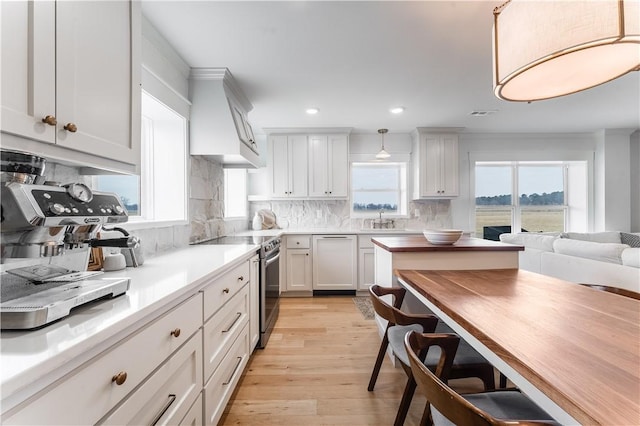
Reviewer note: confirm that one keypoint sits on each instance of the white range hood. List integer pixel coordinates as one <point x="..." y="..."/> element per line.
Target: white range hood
<point x="219" y="126"/>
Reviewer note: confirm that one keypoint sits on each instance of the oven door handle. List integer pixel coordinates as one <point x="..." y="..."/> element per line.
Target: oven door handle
<point x="273" y="259"/>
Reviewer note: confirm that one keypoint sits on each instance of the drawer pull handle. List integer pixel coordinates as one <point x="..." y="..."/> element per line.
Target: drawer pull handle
<point x="120" y="378"/>
<point x="238" y="315"/>
<point x="233" y="373"/>
<point x="70" y="127"/>
<point x="50" y="120"/>
<point x="163" y="410"/>
<point x="241" y="278"/>
<point x="176" y="332"/>
<point x="225" y="290"/>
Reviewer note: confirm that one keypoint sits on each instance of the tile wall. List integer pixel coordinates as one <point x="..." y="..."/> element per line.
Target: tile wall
<point x="335" y="214"/>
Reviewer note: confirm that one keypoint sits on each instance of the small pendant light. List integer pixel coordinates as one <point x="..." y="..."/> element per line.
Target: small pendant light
<point x="382" y="155"/>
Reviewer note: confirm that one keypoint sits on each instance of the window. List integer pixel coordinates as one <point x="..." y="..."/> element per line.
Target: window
<point x="519" y="195"/>
<point x="160" y="193"/>
<point x="378" y="186"/>
<point x="235" y="193"/>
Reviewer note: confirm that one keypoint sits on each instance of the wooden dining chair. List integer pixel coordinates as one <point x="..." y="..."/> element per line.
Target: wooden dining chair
<point x="445" y="407"/>
<point x="468" y="362"/>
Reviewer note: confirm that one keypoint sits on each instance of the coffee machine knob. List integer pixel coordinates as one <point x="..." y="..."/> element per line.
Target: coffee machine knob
<point x="118" y="209"/>
<point x="56" y="208"/>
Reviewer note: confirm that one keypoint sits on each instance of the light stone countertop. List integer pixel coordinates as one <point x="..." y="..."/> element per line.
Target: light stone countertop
<point x="326" y="231"/>
<point x="159" y="284"/>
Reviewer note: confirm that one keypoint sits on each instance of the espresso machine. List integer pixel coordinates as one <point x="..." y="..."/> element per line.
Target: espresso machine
<point x="47" y="232"/>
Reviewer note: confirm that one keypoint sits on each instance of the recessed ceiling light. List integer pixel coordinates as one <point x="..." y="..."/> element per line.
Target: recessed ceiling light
<point x="312" y="111"/>
<point x="397" y="110"/>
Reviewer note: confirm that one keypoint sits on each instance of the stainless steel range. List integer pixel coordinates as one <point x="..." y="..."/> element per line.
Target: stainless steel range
<point x="46" y="233"/>
<point x="269" y="283"/>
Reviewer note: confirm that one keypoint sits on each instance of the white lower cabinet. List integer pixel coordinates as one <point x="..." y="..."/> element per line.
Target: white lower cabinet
<point x="178" y="369"/>
<point x="219" y="388"/>
<point x="298" y="263"/>
<point x="194" y="415"/>
<point x="254" y="301"/>
<point x="223" y="329"/>
<point x="335" y="262"/>
<point x="93" y="390"/>
<point x="366" y="268"/>
<point x="166" y="397"/>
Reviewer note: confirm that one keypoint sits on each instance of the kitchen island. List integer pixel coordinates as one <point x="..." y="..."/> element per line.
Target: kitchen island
<point x="415" y="252"/>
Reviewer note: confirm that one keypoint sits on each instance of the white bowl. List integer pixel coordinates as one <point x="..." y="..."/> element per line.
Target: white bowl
<point x="442" y="236"/>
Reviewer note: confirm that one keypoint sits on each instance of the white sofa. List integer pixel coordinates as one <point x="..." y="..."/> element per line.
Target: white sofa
<point x="591" y="258"/>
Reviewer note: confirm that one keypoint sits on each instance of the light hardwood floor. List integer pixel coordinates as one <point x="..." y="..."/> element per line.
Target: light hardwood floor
<point x="315" y="370"/>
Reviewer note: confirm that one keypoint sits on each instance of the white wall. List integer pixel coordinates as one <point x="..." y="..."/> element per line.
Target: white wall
<point x="634" y="160"/>
<point x="613" y="181"/>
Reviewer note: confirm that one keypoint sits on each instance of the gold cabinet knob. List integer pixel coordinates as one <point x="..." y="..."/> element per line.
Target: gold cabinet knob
<point x="70" y="127"/>
<point x="119" y="378"/>
<point x="225" y="290"/>
<point x="50" y="120"/>
<point x="176" y="332"/>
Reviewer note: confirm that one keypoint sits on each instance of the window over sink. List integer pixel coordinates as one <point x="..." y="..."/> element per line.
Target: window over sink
<point x="378" y="186"/>
<point x="159" y="194"/>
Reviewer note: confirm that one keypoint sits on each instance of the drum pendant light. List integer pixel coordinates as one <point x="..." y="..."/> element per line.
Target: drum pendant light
<point x="545" y="49"/>
<point x="382" y="155"/>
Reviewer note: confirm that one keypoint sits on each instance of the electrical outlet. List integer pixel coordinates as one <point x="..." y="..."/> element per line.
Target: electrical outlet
<point x="319" y="214"/>
<point x="416" y="212"/>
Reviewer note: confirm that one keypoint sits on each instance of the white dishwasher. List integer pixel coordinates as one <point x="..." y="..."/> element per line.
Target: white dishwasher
<point x="335" y="264"/>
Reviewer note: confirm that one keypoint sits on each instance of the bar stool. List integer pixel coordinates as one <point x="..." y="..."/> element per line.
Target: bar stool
<point x="468" y="362"/>
<point x="445" y="407"/>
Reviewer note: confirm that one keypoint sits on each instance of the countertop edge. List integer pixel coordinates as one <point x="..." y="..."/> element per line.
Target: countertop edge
<point x="425" y="246"/>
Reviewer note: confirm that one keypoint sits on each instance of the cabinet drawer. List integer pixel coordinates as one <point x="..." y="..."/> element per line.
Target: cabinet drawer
<point x="298" y="241"/>
<point x="223" y="288"/>
<point x="223" y="329"/>
<point x="167" y="395"/>
<point x="219" y="389"/>
<point x="86" y="395"/>
<point x="194" y="416"/>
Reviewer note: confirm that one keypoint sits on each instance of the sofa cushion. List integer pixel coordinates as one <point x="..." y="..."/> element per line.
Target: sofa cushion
<point x="596" y="237"/>
<point x="604" y="252"/>
<point x="631" y="257"/>
<point x="633" y="240"/>
<point x="534" y="240"/>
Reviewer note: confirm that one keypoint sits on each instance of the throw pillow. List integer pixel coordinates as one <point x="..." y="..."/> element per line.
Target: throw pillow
<point x="632" y="240"/>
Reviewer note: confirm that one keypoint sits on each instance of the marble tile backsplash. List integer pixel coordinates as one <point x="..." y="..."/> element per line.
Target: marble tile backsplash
<point x="335" y="214"/>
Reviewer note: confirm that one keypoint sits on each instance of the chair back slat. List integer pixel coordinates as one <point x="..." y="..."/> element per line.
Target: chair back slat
<point x="382" y="308"/>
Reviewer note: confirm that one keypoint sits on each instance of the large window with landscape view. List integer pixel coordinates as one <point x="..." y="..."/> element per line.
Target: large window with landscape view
<point x="520" y="196"/>
<point x="378" y="187"/>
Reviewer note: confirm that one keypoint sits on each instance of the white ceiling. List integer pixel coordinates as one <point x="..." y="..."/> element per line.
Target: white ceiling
<point x="355" y="60"/>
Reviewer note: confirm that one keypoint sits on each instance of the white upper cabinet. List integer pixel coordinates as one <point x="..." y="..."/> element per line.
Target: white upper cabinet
<point x="435" y="159"/>
<point x="288" y="166"/>
<point x="328" y="166"/>
<point x="70" y="81"/>
<point x="219" y="126"/>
